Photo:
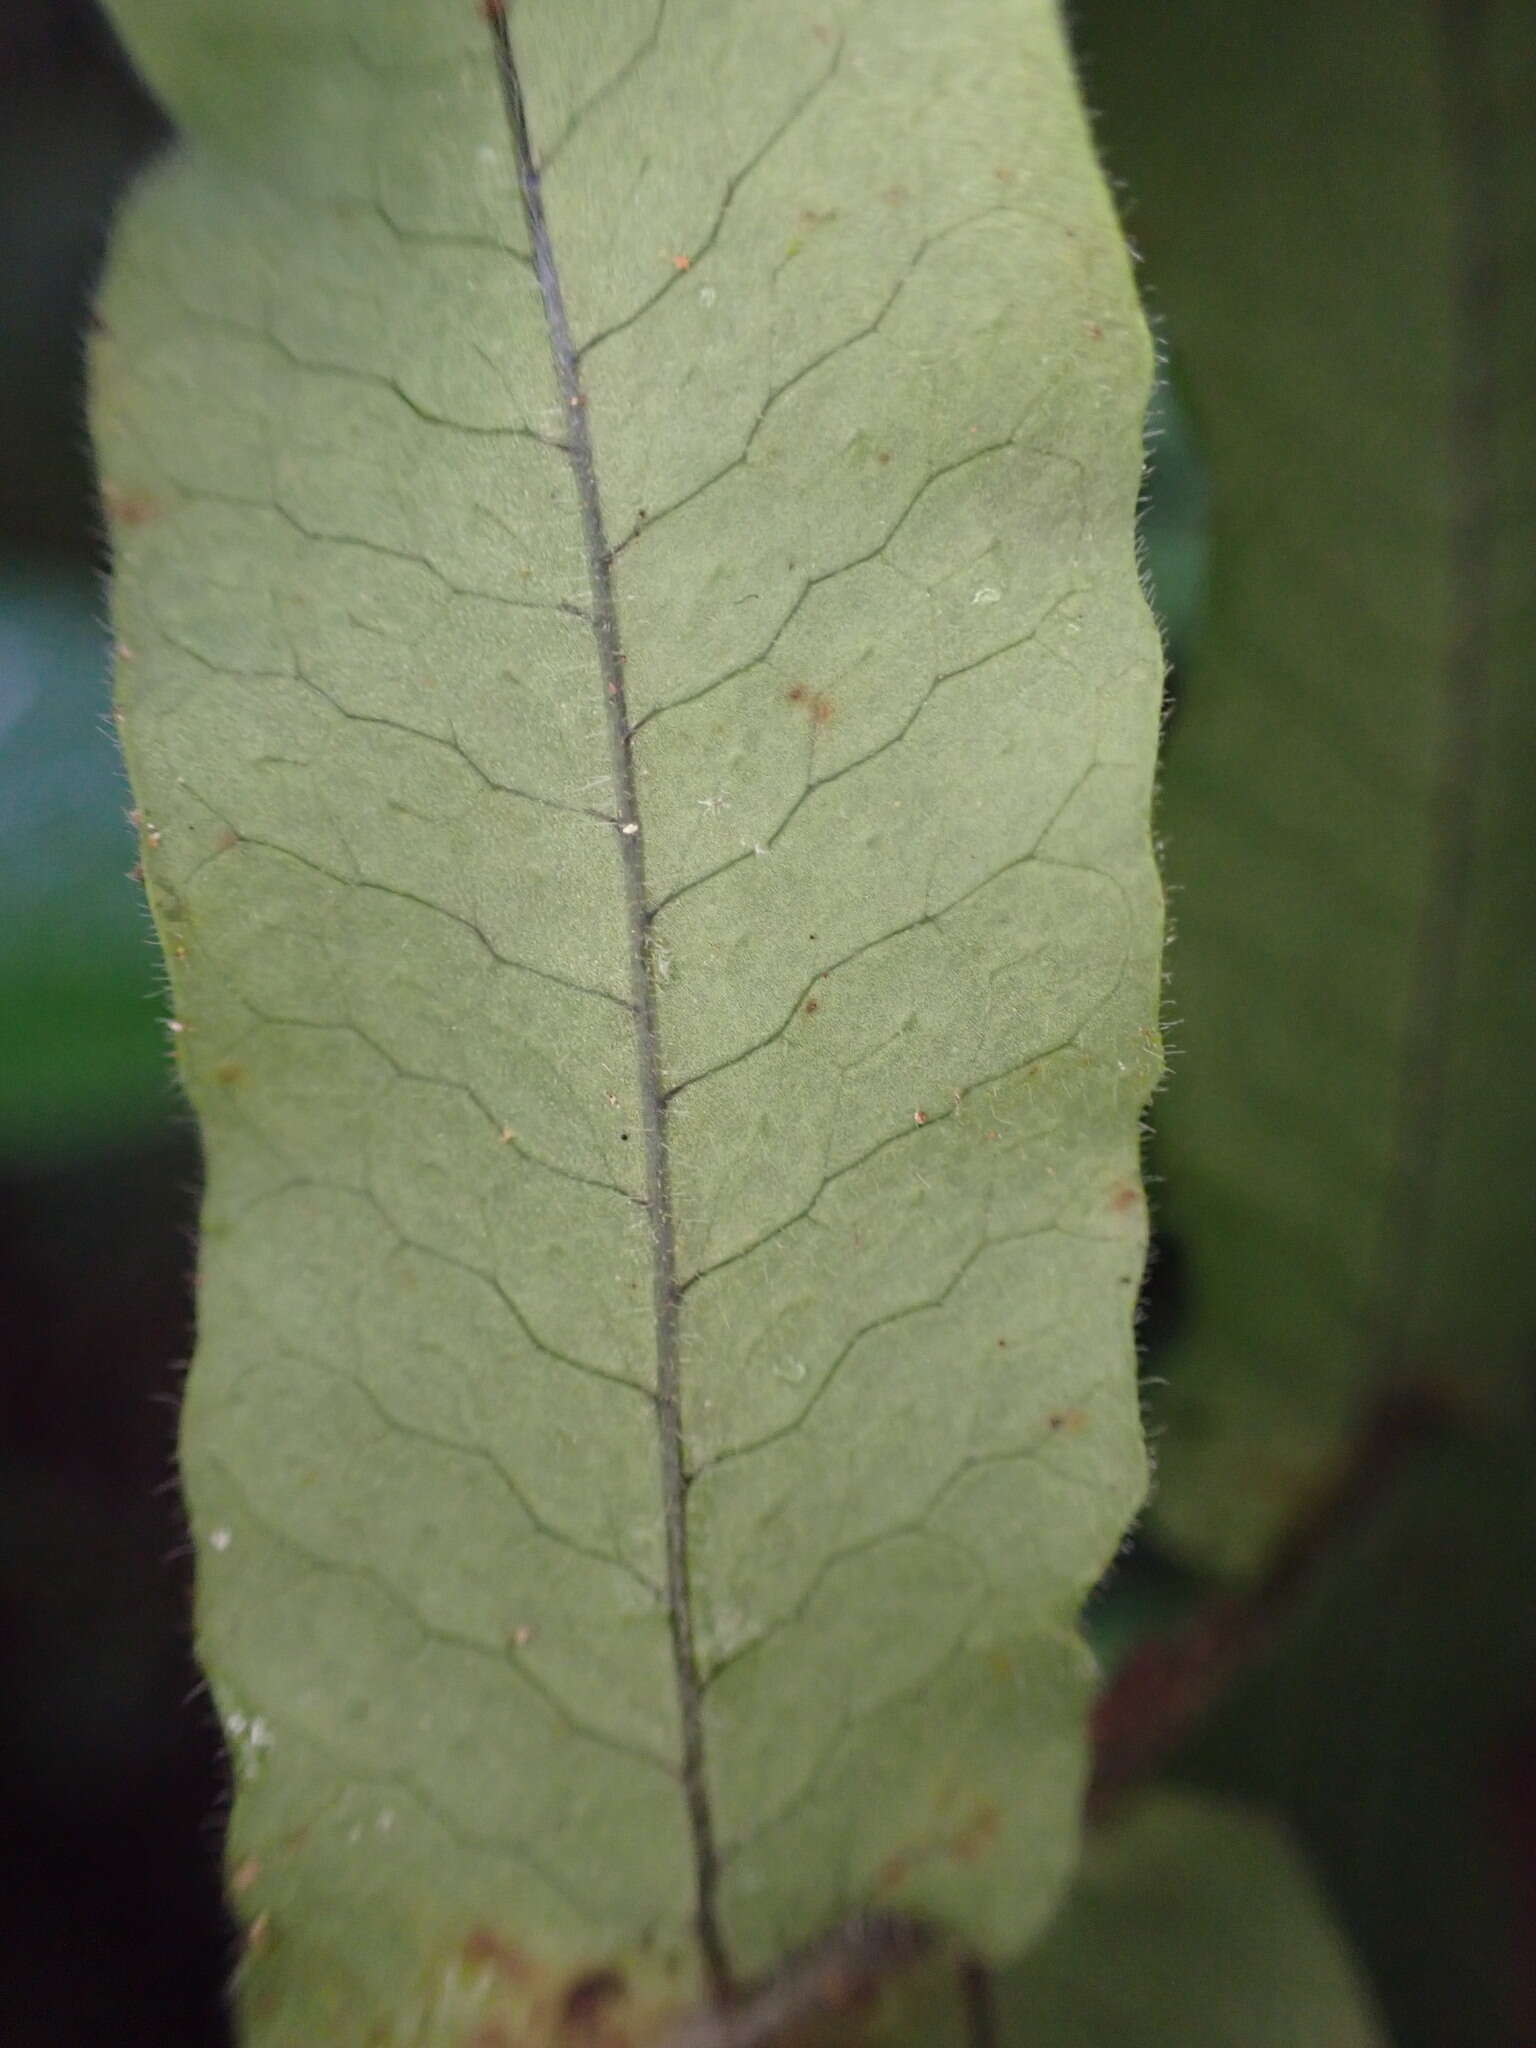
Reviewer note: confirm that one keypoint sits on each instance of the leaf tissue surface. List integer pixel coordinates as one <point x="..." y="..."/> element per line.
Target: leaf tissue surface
<point x="633" y="670"/>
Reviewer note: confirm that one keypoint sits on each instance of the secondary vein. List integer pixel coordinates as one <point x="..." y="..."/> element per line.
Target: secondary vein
<point x="653" y="1102"/>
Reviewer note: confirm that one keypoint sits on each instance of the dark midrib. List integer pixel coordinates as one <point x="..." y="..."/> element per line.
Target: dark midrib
<point x="1470" y="140"/>
<point x="653" y="1103"/>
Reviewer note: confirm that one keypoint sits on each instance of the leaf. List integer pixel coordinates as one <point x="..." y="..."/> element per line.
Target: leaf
<point x="1192" y="1924"/>
<point x="1383" y="1730"/>
<point x="665" y="1379"/>
<point x="1335" y="209"/>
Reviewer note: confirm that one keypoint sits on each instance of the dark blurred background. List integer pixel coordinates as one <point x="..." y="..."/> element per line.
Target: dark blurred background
<point x="111" y="1780"/>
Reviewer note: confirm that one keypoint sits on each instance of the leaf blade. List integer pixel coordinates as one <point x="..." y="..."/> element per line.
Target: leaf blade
<point x="411" y="1018"/>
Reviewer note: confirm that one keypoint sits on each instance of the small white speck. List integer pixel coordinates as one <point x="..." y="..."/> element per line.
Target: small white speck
<point x="630" y="829"/>
<point x="235" y="1723"/>
<point x="385" y="1821"/>
<point x="791" y="1370"/>
<point x="486" y="153"/>
<point x="986" y="595"/>
<point x="219" y="1539"/>
<point x="760" y="851"/>
<point x="713" y="804"/>
<point x="707" y="295"/>
<point x="260" y="1733"/>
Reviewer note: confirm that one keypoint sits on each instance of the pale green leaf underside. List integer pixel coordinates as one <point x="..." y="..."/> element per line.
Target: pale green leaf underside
<point x="862" y="371"/>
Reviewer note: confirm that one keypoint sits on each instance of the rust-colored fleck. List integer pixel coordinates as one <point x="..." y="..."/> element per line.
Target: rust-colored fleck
<point x="229" y="1072"/>
<point x="818" y="707"/>
<point x="585" y="2009"/>
<point x="484" y="1949"/>
<point x="1004" y="175"/>
<point x="812" y="1007"/>
<point x="882" y="456"/>
<point x="682" y="263"/>
<point x="1094" y="331"/>
<point x="919" y="1116"/>
<point x="893" y="1872"/>
<point x="821" y="32"/>
<point x="130" y="508"/>
<point x="977" y="1836"/>
<point x="1068" y="1421"/>
<point x="1125" y="1198"/>
<point x="492" y="11"/>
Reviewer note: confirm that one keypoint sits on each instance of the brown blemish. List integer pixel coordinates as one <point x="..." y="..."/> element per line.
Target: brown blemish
<point x="230" y="1072"/>
<point x="226" y="839"/>
<point x="586" y="2005"/>
<point x="1067" y="1421"/>
<point x="812" y="1007"/>
<point x="1124" y="1198"/>
<point x="492" y="2035"/>
<point x="484" y="1949"/>
<point x="819" y="707"/>
<point x="130" y="508"/>
<point x="977" y="1836"/>
<point x="882" y="456"/>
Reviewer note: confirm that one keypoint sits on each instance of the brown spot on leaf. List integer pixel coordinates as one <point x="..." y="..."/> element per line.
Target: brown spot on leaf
<point x="484" y="1949"/>
<point x="1068" y="1421"/>
<point x="812" y="1007"/>
<point x="225" y="839"/>
<point x="586" y="2010"/>
<point x="977" y="1836"/>
<point x="230" y="1072"/>
<point x="818" y="707"/>
<point x="130" y="508"/>
<point x="1124" y="1198"/>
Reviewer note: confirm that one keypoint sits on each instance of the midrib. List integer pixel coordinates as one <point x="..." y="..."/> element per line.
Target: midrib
<point x="653" y="1105"/>
<point x="1469" y="128"/>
